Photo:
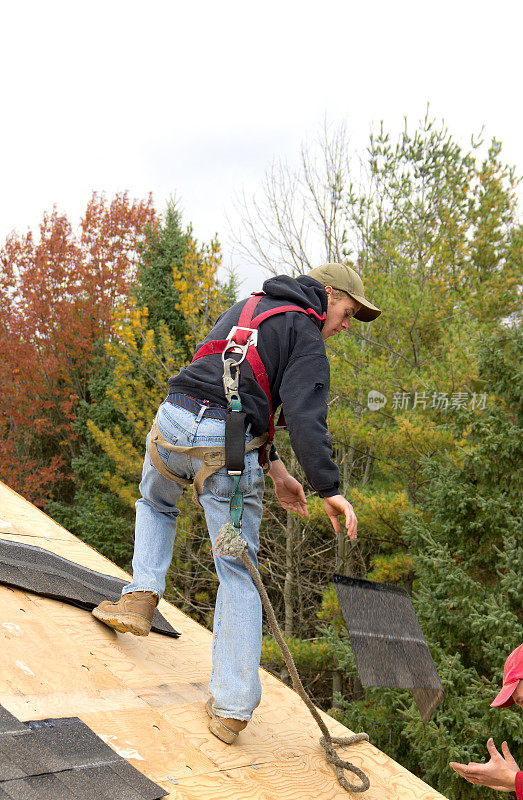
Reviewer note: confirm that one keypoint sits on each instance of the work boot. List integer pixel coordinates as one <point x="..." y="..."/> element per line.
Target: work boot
<point x="225" y="728"/>
<point x="133" y="612"/>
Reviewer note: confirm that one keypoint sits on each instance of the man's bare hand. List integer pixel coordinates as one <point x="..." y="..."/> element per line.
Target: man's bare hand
<point x="288" y="490"/>
<point x="498" y="773"/>
<point x="336" y="506"/>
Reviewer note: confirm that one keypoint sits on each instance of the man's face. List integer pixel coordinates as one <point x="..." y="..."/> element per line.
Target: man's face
<point x="339" y="313"/>
<point x="517" y="695"/>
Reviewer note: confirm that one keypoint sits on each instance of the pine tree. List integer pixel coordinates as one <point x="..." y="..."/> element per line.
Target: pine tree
<point x="164" y="250"/>
<point x="436" y="237"/>
<point x="96" y="515"/>
<point x="465" y="542"/>
<point x="437" y="240"/>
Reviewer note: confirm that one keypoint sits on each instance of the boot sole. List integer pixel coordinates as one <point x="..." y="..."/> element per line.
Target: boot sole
<point x="124" y="622"/>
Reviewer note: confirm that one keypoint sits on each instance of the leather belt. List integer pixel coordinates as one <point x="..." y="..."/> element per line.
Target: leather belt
<point x="212" y="410"/>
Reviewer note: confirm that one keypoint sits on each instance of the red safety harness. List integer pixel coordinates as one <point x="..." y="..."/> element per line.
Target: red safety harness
<point x="247" y="330"/>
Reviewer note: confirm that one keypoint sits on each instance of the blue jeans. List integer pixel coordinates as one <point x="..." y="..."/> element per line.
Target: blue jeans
<point x="237" y="633"/>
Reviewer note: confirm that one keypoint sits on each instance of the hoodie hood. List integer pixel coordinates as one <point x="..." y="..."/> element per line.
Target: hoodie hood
<point x="302" y="291"/>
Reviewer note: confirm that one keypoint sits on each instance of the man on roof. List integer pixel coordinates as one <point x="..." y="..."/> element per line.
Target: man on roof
<point x="277" y="339"/>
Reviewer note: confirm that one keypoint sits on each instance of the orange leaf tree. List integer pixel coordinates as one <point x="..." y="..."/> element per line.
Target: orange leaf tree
<point x="57" y="293"/>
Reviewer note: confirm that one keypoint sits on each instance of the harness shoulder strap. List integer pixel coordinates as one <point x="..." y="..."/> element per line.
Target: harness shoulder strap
<point x="246" y="317"/>
<point x="281" y="309"/>
<point x="246" y="325"/>
<point x="248" y="311"/>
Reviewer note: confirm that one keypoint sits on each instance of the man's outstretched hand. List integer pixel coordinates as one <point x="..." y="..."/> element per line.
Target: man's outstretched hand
<point x="288" y="490"/>
<point x="498" y="773"/>
<point x="337" y="506"/>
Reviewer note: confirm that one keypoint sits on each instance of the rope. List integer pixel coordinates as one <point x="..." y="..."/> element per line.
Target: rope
<point x="230" y="543"/>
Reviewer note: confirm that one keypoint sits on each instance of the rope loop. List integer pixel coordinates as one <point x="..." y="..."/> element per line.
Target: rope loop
<point x="340" y="765"/>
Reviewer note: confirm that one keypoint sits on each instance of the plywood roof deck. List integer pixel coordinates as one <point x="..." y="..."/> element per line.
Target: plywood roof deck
<point x="145" y="696"/>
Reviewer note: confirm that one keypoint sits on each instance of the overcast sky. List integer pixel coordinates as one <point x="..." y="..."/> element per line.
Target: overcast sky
<point x="197" y="99"/>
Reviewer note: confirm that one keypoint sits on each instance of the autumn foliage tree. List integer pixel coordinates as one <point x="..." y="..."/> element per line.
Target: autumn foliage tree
<point x="142" y="358"/>
<point x="435" y="233"/>
<point x="57" y="293"/>
<point x="176" y="298"/>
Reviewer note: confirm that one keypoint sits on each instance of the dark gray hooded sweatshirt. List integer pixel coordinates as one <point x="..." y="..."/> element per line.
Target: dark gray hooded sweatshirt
<point x="292" y="350"/>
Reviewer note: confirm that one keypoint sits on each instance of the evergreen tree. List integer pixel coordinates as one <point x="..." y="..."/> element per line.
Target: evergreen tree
<point x="164" y="250"/>
<point x="465" y="542"/>
<point x="96" y="515"/>
<point x="436" y="237"/>
<point x="131" y="382"/>
<point x="100" y="516"/>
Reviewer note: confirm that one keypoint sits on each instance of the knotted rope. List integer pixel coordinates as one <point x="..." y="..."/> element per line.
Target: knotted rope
<point x="230" y="543"/>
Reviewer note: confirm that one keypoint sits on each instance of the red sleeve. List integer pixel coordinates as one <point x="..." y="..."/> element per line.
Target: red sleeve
<point x="519" y="785"/>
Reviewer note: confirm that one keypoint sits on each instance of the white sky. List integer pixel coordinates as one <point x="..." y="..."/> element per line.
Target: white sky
<point x="196" y="100"/>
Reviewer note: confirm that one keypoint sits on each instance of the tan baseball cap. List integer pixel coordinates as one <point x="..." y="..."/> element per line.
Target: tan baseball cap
<point x="340" y="276"/>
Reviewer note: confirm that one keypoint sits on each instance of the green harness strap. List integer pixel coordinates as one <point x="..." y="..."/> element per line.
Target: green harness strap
<point x="236" y="502"/>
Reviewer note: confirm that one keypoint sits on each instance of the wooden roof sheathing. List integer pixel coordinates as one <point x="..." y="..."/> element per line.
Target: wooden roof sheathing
<point x="145" y="696"/>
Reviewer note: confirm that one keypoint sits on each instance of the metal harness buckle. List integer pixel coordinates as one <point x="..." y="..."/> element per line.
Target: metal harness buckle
<point x="230" y="383"/>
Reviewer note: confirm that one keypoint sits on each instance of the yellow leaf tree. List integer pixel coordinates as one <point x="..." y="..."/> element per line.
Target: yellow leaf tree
<point x="142" y="359"/>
